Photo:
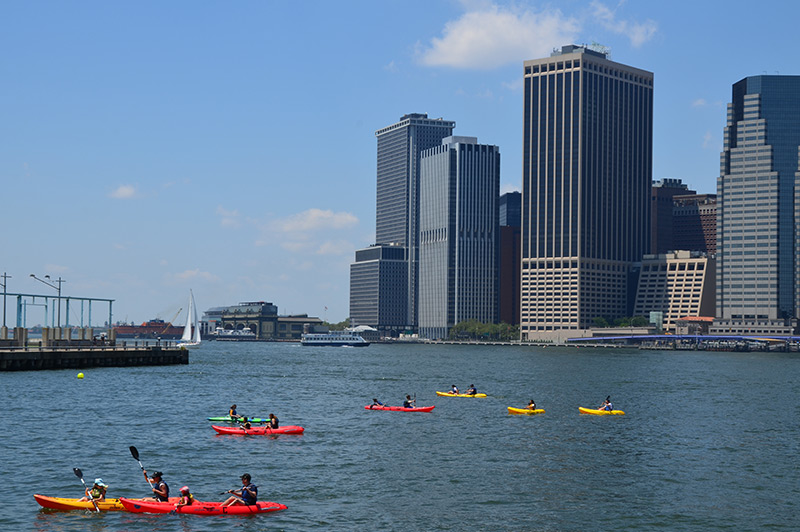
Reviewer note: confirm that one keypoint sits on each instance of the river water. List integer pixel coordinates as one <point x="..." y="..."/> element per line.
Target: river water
<point x="710" y="440"/>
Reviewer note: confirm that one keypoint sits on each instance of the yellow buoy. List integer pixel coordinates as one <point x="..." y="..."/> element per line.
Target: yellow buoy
<point x="80" y="375"/>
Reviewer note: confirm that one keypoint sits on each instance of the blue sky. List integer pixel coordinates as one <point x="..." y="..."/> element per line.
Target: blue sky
<point x="228" y="147"/>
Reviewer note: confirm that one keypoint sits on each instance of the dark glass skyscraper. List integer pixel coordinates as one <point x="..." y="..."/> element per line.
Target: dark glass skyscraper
<point x="587" y="169"/>
<point x="397" y="215"/>
<point x="758" y="208"/>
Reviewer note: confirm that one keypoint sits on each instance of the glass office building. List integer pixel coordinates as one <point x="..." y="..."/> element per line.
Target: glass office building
<point x="758" y="209"/>
<point x="459" y="195"/>
<point x="587" y="172"/>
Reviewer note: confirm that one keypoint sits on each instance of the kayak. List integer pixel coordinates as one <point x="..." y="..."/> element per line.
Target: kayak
<point x="528" y="411"/>
<point x="229" y="419"/>
<point x="199" y="507"/>
<point x="259" y="431"/>
<point x="448" y="394"/>
<point x="62" y="503"/>
<point x="597" y="412"/>
<point x="400" y="408"/>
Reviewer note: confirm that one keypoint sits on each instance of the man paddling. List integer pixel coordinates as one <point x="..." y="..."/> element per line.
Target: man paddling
<point x="246" y="496"/>
<point x="409" y="402"/>
<point x="160" y="488"/>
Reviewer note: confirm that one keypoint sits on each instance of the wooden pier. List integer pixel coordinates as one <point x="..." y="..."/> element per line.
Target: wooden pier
<point x="41" y="358"/>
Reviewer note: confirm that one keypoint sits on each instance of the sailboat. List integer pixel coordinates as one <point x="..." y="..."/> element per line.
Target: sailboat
<point x="191" y="338"/>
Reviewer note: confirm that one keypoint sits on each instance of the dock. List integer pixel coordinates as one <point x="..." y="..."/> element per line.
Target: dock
<point x="42" y="358"/>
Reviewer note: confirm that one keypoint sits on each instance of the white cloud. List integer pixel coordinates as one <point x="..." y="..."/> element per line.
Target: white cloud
<point x="700" y="102"/>
<point x="316" y="219"/>
<point x="191" y="275"/>
<point x="391" y="67"/>
<point x="638" y="32"/>
<point x="707" y="140"/>
<point x="228" y="218"/>
<point x="335" y="247"/>
<point x="508" y="187"/>
<point x="123" y="192"/>
<point x="489" y="36"/>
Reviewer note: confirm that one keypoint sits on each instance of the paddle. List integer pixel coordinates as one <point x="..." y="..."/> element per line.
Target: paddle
<point x="135" y="454"/>
<point x="79" y="474"/>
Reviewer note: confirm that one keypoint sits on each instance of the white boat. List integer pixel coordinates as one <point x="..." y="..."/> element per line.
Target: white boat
<point x="235" y="334"/>
<point x="191" y="332"/>
<point x="334" y="338"/>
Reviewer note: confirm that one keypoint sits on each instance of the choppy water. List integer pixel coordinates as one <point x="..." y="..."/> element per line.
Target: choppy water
<point x="710" y="440"/>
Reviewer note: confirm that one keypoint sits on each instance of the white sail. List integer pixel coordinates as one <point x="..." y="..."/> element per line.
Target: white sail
<point x="196" y="335"/>
<point x="187" y="330"/>
<point x="191" y="338"/>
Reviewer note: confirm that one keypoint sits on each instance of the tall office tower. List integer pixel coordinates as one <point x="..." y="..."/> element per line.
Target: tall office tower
<point x="459" y="187"/>
<point x="508" y="266"/>
<point x="587" y="169"/>
<point x="694" y="222"/>
<point x="759" y="208"/>
<point x="661" y="206"/>
<point x="378" y="296"/>
<point x="397" y="216"/>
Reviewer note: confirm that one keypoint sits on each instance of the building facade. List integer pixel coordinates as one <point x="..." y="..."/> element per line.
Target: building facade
<point x="509" y="257"/>
<point x="758" y="210"/>
<point x="677" y="284"/>
<point x="587" y="172"/>
<point x="379" y="289"/>
<point x="263" y="320"/>
<point x="661" y="214"/>
<point x="397" y="214"/>
<point x="694" y="222"/>
<point x="459" y="195"/>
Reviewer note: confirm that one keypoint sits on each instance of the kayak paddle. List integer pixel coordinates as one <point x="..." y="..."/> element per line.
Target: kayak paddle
<point x="135" y="454"/>
<point x="79" y="474"/>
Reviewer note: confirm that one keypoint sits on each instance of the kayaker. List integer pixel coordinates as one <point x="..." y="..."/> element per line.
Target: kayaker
<point x="160" y="488"/>
<point x="409" y="402"/>
<point x="454" y="390"/>
<point x="97" y="492"/>
<point x="232" y="413"/>
<point x="186" y="498"/>
<point x="531" y="405"/>
<point x="245" y="423"/>
<point x="607" y="404"/>
<point x="246" y="496"/>
<point x="472" y="390"/>
<point x="273" y="422"/>
<point x="375" y="402"/>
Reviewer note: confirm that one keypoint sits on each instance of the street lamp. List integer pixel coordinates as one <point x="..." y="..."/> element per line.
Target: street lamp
<point x="59" y="281"/>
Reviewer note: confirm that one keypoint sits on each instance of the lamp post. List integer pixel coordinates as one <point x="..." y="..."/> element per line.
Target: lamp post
<point x="3" y="284"/>
<point x="58" y="288"/>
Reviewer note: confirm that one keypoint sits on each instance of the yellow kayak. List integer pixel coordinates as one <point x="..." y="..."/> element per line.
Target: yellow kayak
<point x="597" y="412"/>
<point x="448" y="394"/>
<point x="527" y="411"/>
<point x="63" y="503"/>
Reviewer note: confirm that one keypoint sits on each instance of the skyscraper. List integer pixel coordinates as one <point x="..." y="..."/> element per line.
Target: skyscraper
<point x="459" y="187"/>
<point x="587" y="169"/>
<point x="661" y="211"/>
<point x="376" y="270"/>
<point x="508" y="259"/>
<point x="758" y="208"/>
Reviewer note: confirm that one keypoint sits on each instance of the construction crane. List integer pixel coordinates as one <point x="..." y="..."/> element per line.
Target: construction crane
<point x="169" y="323"/>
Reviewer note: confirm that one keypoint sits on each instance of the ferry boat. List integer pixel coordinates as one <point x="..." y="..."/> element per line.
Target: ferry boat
<point x="334" y="338"/>
<point x="241" y="335"/>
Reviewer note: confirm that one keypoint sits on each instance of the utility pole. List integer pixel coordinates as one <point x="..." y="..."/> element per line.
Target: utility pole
<point x="3" y="284"/>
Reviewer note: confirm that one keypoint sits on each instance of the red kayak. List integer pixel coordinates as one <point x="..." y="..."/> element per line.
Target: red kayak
<point x="199" y="507"/>
<point x="400" y="408"/>
<point x="258" y="431"/>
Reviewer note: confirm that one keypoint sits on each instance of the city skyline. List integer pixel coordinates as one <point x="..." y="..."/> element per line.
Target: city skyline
<point x="142" y="158"/>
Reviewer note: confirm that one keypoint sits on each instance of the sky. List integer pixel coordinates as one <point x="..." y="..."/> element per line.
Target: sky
<point x="148" y="148"/>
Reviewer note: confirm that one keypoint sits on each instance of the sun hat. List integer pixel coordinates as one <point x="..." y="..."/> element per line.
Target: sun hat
<point x="99" y="482"/>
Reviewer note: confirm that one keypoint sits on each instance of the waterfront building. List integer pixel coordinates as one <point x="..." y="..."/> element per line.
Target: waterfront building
<point x="694" y="222"/>
<point x="398" y="172"/>
<point x="676" y="284"/>
<point x="263" y="320"/>
<point x="508" y="262"/>
<point x="758" y="213"/>
<point x="458" y="226"/>
<point x="662" y="197"/>
<point x="379" y="289"/>
<point x="587" y="171"/>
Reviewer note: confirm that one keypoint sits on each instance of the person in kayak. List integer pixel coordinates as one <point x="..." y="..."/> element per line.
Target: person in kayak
<point x="186" y="498"/>
<point x="472" y="390"/>
<point x="531" y="405"/>
<point x="375" y="402"/>
<point x="232" y="413"/>
<point x="607" y="404"/>
<point x="245" y="423"/>
<point x="454" y="389"/>
<point x="246" y="496"/>
<point x="273" y="423"/>
<point x="409" y="402"/>
<point x="97" y="492"/>
<point x="160" y="488"/>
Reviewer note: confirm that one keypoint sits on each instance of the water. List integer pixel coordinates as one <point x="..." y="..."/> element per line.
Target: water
<point x="709" y="442"/>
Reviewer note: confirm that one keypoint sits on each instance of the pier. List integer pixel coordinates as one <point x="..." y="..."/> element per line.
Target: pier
<point x="58" y="350"/>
